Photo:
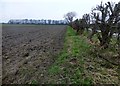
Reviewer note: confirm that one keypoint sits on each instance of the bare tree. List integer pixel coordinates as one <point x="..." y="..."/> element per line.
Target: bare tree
<point x="106" y="17"/>
<point x="79" y="25"/>
<point x="75" y="25"/>
<point x="86" y="17"/>
<point x="69" y="16"/>
<point x="82" y="25"/>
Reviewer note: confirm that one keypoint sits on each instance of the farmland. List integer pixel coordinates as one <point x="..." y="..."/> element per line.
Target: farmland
<point x="54" y="54"/>
<point x="28" y="50"/>
<point x="81" y="49"/>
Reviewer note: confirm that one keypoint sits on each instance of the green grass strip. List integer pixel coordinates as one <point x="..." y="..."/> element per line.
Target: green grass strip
<point x="64" y="70"/>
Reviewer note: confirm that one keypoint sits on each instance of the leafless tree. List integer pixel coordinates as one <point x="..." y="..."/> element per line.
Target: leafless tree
<point x="86" y="17"/>
<point x="82" y="25"/>
<point x="106" y="16"/>
<point x="79" y="25"/>
<point x="70" y="16"/>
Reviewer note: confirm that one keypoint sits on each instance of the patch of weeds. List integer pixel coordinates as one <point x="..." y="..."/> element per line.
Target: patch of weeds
<point x="62" y="58"/>
<point x="76" y="78"/>
<point x="87" y="81"/>
<point x="75" y="52"/>
<point x="70" y="32"/>
<point x="118" y="71"/>
<point x="54" y="70"/>
<point x="95" y="38"/>
<point x="85" y="33"/>
<point x="107" y="64"/>
<point x="34" y="82"/>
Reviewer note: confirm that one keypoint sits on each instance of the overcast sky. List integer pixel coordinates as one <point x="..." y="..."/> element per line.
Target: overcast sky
<point x="44" y="9"/>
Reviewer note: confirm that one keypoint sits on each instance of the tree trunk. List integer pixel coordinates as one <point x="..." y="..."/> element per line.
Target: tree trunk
<point x="105" y="38"/>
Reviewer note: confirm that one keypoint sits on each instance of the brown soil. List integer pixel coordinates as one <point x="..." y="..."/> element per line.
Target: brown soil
<point x="28" y="51"/>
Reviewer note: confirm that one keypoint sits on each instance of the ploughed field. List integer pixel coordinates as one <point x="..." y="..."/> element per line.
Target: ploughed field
<point x="29" y="50"/>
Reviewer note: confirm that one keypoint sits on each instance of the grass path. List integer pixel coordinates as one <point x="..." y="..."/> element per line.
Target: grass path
<point x="69" y="66"/>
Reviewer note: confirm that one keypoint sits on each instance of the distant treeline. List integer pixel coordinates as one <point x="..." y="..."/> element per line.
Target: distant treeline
<point x="31" y="21"/>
